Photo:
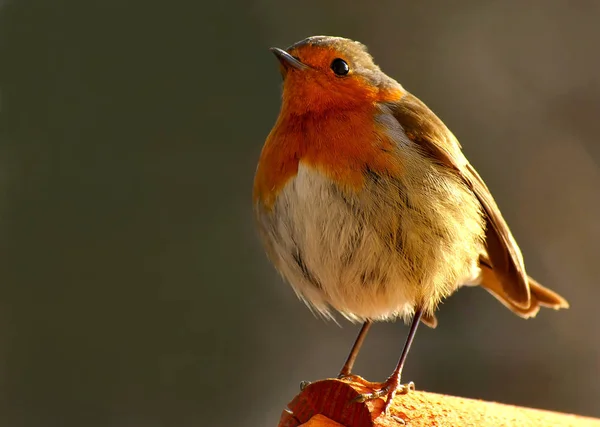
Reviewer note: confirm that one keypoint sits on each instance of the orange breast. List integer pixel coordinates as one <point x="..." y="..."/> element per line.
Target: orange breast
<point x="342" y="145"/>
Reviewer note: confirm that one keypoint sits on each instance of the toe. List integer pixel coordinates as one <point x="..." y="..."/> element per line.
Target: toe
<point x="406" y="388"/>
<point x="376" y="394"/>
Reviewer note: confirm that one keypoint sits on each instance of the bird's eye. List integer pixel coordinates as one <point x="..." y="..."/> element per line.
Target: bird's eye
<point x="340" y="67"/>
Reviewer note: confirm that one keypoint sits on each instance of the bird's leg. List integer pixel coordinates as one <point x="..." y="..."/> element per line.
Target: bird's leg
<point x="392" y="385"/>
<point x="347" y="368"/>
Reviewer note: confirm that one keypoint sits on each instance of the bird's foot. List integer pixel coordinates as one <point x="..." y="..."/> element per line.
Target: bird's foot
<point x="389" y="388"/>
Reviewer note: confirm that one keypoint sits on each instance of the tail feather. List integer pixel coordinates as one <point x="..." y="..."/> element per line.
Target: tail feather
<point x="547" y="297"/>
<point x="540" y="296"/>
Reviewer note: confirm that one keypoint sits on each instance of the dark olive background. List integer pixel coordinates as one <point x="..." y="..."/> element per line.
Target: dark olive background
<point x="133" y="288"/>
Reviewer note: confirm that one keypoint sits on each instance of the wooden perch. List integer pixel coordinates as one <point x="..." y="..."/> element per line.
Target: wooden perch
<point x="328" y="403"/>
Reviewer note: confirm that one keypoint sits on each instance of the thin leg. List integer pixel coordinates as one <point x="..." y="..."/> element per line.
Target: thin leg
<point x="391" y="385"/>
<point x="347" y="368"/>
<point x="409" y="340"/>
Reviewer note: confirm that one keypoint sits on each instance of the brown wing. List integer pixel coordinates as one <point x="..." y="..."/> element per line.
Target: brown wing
<point x="422" y="126"/>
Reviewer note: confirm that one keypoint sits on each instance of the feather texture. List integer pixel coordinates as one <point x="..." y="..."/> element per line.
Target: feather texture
<point x="424" y="128"/>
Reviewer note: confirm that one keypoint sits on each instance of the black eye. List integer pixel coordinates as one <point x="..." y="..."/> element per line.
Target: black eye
<point x="340" y="67"/>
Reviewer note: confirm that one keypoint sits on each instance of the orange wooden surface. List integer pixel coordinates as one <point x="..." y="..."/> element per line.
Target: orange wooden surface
<point x="328" y="403"/>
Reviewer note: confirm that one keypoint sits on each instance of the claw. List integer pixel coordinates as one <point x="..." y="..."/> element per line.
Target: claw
<point x="304" y="384"/>
<point x="406" y="388"/>
<point x="399" y="420"/>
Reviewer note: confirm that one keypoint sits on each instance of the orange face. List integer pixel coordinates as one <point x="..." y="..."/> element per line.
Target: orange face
<point x="332" y="76"/>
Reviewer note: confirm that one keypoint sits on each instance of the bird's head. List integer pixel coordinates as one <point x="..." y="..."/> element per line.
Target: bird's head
<point x="322" y="73"/>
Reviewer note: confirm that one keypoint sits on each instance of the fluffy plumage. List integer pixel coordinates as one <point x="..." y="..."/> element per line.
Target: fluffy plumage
<point x="366" y="203"/>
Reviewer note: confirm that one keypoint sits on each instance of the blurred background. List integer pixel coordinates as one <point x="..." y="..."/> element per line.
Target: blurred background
<point x="133" y="288"/>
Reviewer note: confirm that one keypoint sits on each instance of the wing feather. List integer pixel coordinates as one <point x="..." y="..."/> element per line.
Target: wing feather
<point x="424" y="128"/>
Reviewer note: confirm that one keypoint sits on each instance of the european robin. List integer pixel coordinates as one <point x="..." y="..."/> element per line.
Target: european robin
<point x="367" y="205"/>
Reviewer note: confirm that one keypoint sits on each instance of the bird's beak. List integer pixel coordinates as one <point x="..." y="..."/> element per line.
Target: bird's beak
<point x="288" y="60"/>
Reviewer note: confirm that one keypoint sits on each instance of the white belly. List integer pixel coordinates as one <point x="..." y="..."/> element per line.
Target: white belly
<point x="367" y="255"/>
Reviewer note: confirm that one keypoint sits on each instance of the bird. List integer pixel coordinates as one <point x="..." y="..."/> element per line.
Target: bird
<point x="367" y="206"/>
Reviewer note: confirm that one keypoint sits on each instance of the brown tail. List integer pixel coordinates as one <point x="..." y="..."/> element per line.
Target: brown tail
<point x="540" y="296"/>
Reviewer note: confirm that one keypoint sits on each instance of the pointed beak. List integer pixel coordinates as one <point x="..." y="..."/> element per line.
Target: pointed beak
<point x="288" y="60"/>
